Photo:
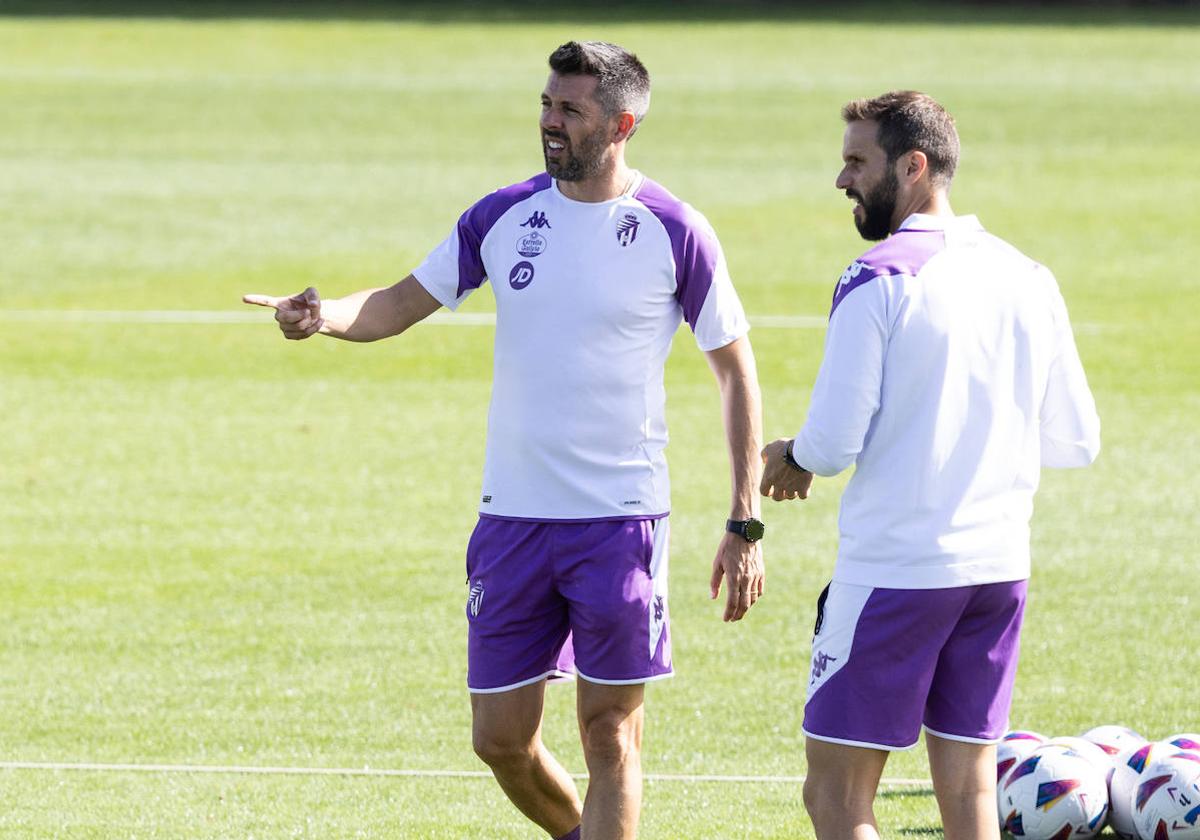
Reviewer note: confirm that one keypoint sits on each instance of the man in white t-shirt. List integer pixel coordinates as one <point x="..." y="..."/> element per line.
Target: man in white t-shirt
<point x="593" y="267"/>
<point x="950" y="378"/>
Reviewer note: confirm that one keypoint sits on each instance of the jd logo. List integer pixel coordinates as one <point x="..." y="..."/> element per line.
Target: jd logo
<point x="521" y="275"/>
<point x="537" y="220"/>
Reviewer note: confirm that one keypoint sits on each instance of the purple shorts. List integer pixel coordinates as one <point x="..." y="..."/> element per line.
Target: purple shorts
<point x="551" y="599"/>
<point x="887" y="661"/>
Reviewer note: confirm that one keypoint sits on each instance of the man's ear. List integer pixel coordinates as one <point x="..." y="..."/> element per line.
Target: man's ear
<point x="625" y="125"/>
<point x="913" y="165"/>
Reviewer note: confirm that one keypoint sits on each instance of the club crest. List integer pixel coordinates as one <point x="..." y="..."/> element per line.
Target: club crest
<point x="475" y="598"/>
<point x="627" y="229"/>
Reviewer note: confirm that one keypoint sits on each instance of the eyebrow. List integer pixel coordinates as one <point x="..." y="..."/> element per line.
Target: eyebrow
<point x="564" y="102"/>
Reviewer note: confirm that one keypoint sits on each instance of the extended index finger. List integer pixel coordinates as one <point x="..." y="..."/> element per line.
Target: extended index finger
<point x="263" y="300"/>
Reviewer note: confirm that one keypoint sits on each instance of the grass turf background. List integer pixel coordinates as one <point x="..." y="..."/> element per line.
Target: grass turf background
<point x="217" y="547"/>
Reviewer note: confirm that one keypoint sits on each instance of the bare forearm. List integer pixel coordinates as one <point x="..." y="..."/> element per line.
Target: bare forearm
<point x="373" y="314"/>
<point x="741" y="404"/>
<point x="743" y="429"/>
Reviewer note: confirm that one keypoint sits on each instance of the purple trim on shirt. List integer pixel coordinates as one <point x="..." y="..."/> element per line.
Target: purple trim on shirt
<point x="904" y="252"/>
<point x="693" y="245"/>
<point x="644" y="517"/>
<point x="474" y="225"/>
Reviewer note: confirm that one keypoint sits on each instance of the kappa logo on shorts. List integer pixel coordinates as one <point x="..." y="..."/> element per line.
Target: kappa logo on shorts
<point x="820" y="662"/>
<point x="475" y="598"/>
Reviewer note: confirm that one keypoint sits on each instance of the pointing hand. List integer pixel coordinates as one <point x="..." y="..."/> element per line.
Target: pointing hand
<point x="299" y="316"/>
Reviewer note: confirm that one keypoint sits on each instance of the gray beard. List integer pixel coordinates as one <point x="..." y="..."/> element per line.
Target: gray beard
<point x="587" y="164"/>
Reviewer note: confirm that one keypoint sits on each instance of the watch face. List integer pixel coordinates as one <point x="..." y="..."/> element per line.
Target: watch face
<point x="755" y="530"/>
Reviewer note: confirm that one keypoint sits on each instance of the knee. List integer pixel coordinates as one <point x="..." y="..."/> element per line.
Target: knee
<point x="831" y="804"/>
<point x="612" y="737"/>
<point x="499" y="750"/>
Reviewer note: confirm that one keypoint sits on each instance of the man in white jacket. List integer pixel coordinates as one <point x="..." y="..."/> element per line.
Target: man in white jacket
<point x="950" y="378"/>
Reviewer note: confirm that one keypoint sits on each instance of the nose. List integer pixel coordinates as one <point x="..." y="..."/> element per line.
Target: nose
<point x="551" y="119"/>
<point x="844" y="181"/>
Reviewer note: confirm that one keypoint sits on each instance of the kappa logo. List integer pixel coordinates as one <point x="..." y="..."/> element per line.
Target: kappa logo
<point x="531" y="245"/>
<point x="820" y="662"/>
<point x="475" y="598"/>
<point x="659" y="608"/>
<point x="627" y="229"/>
<point x="855" y="269"/>
<point x="537" y="220"/>
<point x="521" y="275"/>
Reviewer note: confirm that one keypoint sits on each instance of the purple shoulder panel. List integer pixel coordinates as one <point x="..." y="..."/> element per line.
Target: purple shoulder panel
<point x="694" y="247"/>
<point x="474" y="225"/>
<point x="904" y="252"/>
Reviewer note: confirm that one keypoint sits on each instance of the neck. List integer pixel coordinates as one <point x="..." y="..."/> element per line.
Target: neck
<point x="604" y="186"/>
<point x="936" y="203"/>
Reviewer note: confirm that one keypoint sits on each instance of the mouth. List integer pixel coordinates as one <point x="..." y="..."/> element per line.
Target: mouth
<point x="553" y="145"/>
<point x="857" y="199"/>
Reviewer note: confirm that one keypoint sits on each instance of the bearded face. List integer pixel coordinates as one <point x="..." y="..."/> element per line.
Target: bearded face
<point x="874" y="211"/>
<point x="575" y="158"/>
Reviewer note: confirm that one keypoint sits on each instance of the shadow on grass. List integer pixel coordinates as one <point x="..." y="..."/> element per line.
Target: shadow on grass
<point x="603" y="12"/>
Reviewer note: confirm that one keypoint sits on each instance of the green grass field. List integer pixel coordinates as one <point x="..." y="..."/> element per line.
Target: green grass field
<point x="221" y="548"/>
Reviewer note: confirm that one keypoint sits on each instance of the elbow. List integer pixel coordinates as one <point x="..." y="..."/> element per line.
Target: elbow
<point x="1070" y="455"/>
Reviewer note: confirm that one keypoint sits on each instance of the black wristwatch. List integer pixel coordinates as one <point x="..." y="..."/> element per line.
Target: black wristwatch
<point x="751" y="530"/>
<point x="790" y="459"/>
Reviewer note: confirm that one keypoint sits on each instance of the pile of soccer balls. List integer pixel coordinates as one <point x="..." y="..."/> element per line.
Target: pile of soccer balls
<point x="1061" y="788"/>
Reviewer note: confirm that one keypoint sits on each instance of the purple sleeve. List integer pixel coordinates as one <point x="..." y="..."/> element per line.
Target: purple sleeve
<point x="694" y="246"/>
<point x="905" y="252"/>
<point x="474" y="225"/>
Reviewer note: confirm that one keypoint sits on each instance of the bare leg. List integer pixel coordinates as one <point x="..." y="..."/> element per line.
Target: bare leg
<point x="964" y="780"/>
<point x="610" y="723"/>
<point x="507" y="734"/>
<point x="839" y="791"/>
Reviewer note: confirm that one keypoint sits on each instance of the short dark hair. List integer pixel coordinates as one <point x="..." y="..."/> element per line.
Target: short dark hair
<point x="624" y="84"/>
<point x="911" y="121"/>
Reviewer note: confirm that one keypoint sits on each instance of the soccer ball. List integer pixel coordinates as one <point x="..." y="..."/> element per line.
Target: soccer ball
<point x="1189" y="741"/>
<point x="1014" y="747"/>
<point x="1127" y="772"/>
<point x="1088" y="749"/>
<point x="1054" y="794"/>
<point x="1166" y="803"/>
<point x="1114" y="740"/>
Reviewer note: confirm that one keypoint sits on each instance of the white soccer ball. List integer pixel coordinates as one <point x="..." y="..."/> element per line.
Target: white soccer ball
<point x="1166" y="803"/>
<point x="1085" y="748"/>
<point x="1122" y="784"/>
<point x="1185" y="741"/>
<point x="1114" y="740"/>
<point x="1014" y="747"/>
<point x="1054" y="794"/>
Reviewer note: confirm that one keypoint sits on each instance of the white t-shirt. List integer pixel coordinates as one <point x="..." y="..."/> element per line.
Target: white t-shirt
<point x="588" y="298"/>
<point x="950" y="378"/>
